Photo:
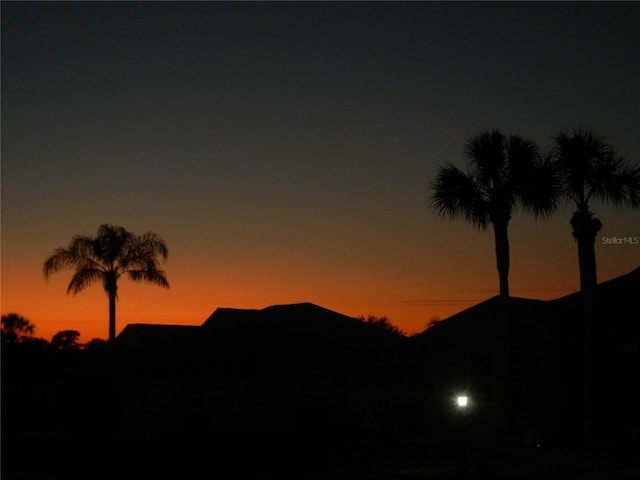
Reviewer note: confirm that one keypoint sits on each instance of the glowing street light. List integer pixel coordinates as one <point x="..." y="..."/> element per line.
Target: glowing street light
<point x="462" y="401"/>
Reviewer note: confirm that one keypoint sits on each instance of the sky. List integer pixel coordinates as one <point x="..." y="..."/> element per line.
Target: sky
<point x="284" y="151"/>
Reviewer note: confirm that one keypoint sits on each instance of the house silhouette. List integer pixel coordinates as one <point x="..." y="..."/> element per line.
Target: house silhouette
<point x="283" y="368"/>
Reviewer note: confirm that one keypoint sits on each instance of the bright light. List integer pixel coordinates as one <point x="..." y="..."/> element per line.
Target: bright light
<point x="462" y="401"/>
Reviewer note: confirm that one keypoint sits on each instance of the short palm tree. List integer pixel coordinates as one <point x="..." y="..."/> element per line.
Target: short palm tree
<point x="105" y="258"/>
<point x="504" y="171"/>
<point x="589" y="169"/>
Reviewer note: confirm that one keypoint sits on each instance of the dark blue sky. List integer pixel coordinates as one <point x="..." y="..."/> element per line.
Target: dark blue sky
<point x="284" y="149"/>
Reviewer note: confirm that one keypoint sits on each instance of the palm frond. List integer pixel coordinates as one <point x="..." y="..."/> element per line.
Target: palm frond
<point x="61" y="258"/>
<point x="112" y="243"/>
<point x="486" y="154"/>
<point x="630" y="176"/>
<point x="455" y="194"/>
<point x="578" y="154"/>
<point x="73" y="257"/>
<point x="617" y="183"/>
<point x="592" y="169"/>
<point x="84" y="278"/>
<point x="157" y="277"/>
<point x="153" y="245"/>
<point x="143" y="252"/>
<point x="522" y="158"/>
<point x="83" y="246"/>
<point x="540" y="193"/>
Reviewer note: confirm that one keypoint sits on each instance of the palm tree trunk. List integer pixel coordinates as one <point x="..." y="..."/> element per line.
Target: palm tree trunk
<point x="501" y="238"/>
<point x="585" y="229"/>
<point x="112" y="315"/>
<point x="587" y="288"/>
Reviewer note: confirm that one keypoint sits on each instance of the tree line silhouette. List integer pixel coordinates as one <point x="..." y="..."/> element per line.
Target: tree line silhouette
<point x="17" y="330"/>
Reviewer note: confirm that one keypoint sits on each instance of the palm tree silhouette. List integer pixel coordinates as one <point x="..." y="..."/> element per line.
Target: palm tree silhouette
<point x="504" y="171"/>
<point x="589" y="168"/>
<point x="105" y="258"/>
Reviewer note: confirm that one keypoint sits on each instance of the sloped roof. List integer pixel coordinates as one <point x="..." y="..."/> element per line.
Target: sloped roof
<point x="281" y="315"/>
<point x="624" y="289"/>
<point x="488" y="324"/>
<point x="143" y="336"/>
<point x="617" y="307"/>
<point x="616" y="299"/>
<point x="491" y="312"/>
<point x="298" y="318"/>
<point x="231" y="317"/>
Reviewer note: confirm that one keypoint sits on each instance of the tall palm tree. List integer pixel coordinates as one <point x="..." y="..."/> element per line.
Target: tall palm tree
<point x="105" y="258"/>
<point x="590" y="169"/>
<point x="504" y="172"/>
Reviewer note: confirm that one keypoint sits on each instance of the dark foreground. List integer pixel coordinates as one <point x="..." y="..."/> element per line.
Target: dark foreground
<point x="305" y="457"/>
